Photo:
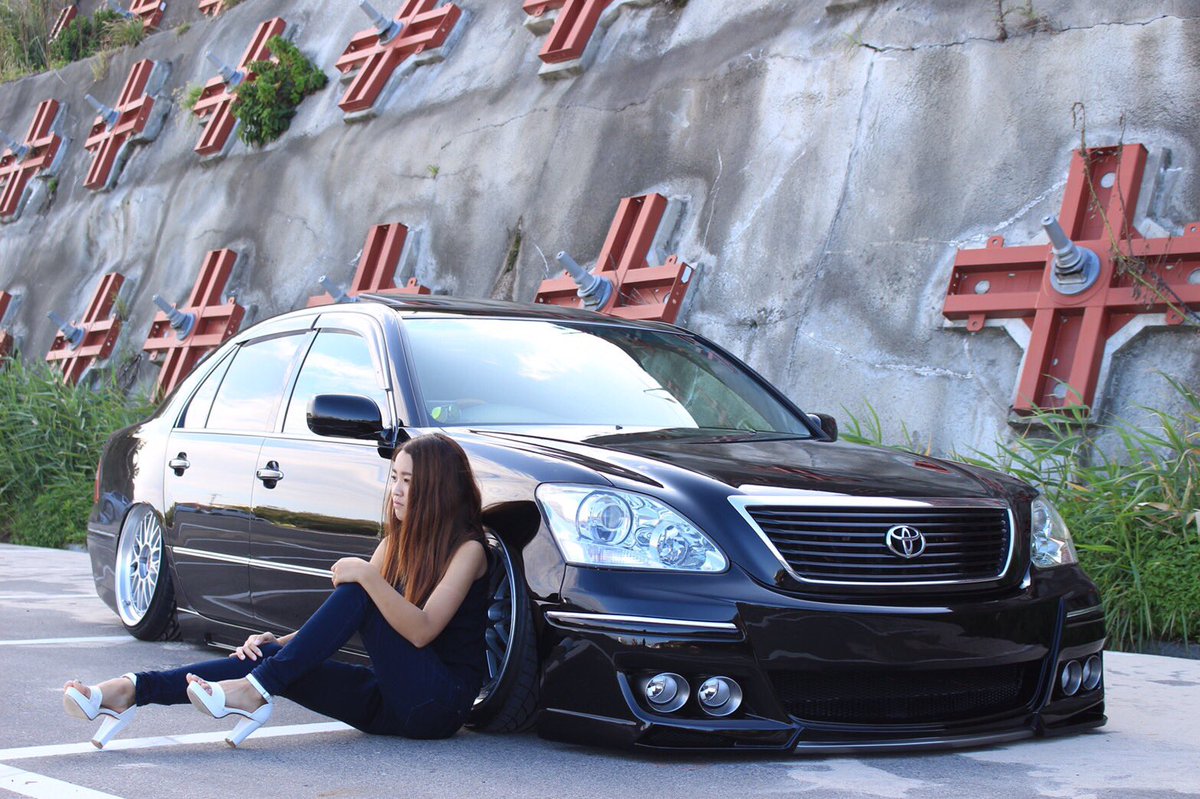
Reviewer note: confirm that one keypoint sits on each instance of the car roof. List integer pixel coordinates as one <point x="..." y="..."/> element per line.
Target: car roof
<point x="428" y="305"/>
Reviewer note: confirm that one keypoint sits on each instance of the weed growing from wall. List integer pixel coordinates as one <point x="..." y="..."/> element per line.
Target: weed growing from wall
<point x="85" y="36"/>
<point x="265" y="106"/>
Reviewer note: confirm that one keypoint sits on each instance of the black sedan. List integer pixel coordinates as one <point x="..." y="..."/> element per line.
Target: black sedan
<point x="682" y="558"/>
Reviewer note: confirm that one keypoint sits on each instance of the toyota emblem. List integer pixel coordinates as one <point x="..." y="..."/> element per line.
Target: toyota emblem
<point x="905" y="541"/>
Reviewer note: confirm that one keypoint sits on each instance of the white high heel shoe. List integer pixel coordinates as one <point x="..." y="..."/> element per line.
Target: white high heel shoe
<point x="214" y="705"/>
<point x="89" y="707"/>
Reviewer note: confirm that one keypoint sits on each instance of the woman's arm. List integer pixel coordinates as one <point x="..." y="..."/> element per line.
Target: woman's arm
<point x="419" y="625"/>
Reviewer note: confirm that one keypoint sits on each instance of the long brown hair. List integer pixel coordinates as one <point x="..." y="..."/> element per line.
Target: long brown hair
<point x="442" y="512"/>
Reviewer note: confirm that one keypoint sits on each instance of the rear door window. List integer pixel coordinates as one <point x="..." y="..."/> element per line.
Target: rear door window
<point x="254" y="383"/>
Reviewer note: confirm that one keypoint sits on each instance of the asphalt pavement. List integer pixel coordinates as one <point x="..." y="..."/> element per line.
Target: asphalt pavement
<point x="53" y="627"/>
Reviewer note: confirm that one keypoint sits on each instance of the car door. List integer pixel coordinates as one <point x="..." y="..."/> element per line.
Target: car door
<point x="326" y="496"/>
<point x="211" y="460"/>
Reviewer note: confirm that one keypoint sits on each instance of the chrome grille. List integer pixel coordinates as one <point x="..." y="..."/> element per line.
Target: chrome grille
<point x="846" y="543"/>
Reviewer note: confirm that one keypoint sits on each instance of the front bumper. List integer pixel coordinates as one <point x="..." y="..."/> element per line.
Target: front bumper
<point x="816" y="675"/>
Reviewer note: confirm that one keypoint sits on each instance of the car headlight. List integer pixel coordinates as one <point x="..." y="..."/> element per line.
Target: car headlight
<point x="1051" y="543"/>
<point x="612" y="528"/>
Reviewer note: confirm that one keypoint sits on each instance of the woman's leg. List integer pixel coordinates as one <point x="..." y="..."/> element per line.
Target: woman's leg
<point x="331" y="626"/>
<point x="421" y="698"/>
<point x="170" y="687"/>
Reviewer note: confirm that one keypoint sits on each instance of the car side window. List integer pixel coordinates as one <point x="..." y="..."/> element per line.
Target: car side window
<point x="337" y="363"/>
<point x="196" y="414"/>
<point x="250" y="393"/>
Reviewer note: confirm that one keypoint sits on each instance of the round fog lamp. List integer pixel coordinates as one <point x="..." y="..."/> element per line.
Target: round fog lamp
<point x="666" y="692"/>
<point x="1072" y="677"/>
<point x="719" y="696"/>
<point x="1093" y="670"/>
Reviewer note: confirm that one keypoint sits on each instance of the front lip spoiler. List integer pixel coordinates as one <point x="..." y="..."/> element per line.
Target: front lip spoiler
<point x="654" y="625"/>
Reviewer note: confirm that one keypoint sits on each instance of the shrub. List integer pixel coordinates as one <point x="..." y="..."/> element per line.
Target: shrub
<point x="51" y="436"/>
<point x="85" y="36"/>
<point x="265" y="106"/>
<point x="1133" y="506"/>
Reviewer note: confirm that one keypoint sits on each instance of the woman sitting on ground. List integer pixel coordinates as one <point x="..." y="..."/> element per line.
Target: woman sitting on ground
<point x="419" y="605"/>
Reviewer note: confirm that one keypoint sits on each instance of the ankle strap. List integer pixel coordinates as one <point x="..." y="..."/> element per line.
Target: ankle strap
<point x="250" y="678"/>
<point x="129" y="675"/>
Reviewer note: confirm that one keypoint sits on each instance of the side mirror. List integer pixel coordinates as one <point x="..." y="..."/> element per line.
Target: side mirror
<point x="344" y="416"/>
<point x="827" y="424"/>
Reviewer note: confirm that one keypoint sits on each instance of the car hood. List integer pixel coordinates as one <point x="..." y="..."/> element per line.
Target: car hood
<point x="757" y="463"/>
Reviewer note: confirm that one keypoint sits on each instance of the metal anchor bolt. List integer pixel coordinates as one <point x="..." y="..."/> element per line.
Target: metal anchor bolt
<point x="335" y="291"/>
<point x="180" y="321"/>
<point x="593" y="290"/>
<point x="1076" y="268"/>
<point x="18" y="149"/>
<point x="388" y="28"/>
<point x="231" y="76"/>
<point x="73" y="335"/>
<point x="109" y="115"/>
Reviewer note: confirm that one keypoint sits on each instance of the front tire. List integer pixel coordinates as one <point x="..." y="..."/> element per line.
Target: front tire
<point x="508" y="700"/>
<point x="142" y="581"/>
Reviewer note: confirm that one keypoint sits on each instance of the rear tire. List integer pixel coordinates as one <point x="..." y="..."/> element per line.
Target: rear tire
<point x="508" y="701"/>
<point x="142" y="579"/>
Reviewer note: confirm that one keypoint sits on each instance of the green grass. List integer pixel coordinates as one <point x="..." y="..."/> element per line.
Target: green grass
<point x="1131" y="496"/>
<point x="51" y="436"/>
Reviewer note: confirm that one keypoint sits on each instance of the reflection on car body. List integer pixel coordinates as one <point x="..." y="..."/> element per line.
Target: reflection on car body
<point x="682" y="558"/>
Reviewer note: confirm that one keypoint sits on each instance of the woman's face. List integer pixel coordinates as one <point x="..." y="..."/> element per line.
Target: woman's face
<point x="401" y="478"/>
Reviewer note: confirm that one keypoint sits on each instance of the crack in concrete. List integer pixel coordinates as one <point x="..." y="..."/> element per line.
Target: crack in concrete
<point x="890" y="48"/>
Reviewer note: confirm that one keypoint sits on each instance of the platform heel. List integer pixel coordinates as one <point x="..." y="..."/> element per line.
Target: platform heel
<point x="89" y="708"/>
<point x="214" y="705"/>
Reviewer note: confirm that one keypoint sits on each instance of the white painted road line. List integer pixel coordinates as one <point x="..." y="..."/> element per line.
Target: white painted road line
<point x="37" y="786"/>
<point x="46" y="595"/>
<point x="53" y="750"/>
<point x="84" y="639"/>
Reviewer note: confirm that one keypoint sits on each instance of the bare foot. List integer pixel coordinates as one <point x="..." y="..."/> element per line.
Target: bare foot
<point x="117" y="693"/>
<point x="239" y="694"/>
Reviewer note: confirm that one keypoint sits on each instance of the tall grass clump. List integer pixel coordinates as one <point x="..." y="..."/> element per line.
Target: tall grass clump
<point x="1131" y="496"/>
<point x="51" y="436"/>
<point x="24" y="28"/>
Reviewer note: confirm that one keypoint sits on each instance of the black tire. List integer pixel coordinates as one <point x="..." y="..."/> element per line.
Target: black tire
<point x="508" y="701"/>
<point x="142" y="578"/>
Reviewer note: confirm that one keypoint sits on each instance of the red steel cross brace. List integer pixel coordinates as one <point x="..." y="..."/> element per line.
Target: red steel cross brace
<point x="214" y="321"/>
<point x="1069" y="333"/>
<point x="151" y="12"/>
<point x="16" y="170"/>
<point x="6" y="339"/>
<point x="212" y="7"/>
<point x="64" y="19"/>
<point x="425" y="27"/>
<point x="215" y="103"/>
<point x="573" y="28"/>
<point x="105" y="141"/>
<point x="641" y="291"/>
<point x="376" y="273"/>
<point x="99" y="333"/>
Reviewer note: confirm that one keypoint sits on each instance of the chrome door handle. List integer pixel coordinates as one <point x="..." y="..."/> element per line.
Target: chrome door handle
<point x="179" y="463"/>
<point x="270" y="474"/>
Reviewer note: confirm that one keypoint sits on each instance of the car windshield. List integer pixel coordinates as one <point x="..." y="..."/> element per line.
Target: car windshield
<point x="514" y="371"/>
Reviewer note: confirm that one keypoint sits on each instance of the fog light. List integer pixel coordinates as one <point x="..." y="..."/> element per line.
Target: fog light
<point x="719" y="696"/>
<point x="1072" y="676"/>
<point x="1093" y="670"/>
<point x="666" y="692"/>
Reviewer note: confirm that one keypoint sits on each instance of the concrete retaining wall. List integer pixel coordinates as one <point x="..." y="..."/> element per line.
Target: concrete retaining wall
<point x="831" y="158"/>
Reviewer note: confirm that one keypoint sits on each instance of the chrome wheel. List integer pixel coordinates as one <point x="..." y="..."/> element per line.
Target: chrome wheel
<point x="499" y="631"/>
<point x="508" y="700"/>
<point x="139" y="565"/>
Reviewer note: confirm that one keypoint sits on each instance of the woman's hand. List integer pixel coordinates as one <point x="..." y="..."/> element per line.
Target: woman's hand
<point x="253" y="647"/>
<point x="351" y="570"/>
